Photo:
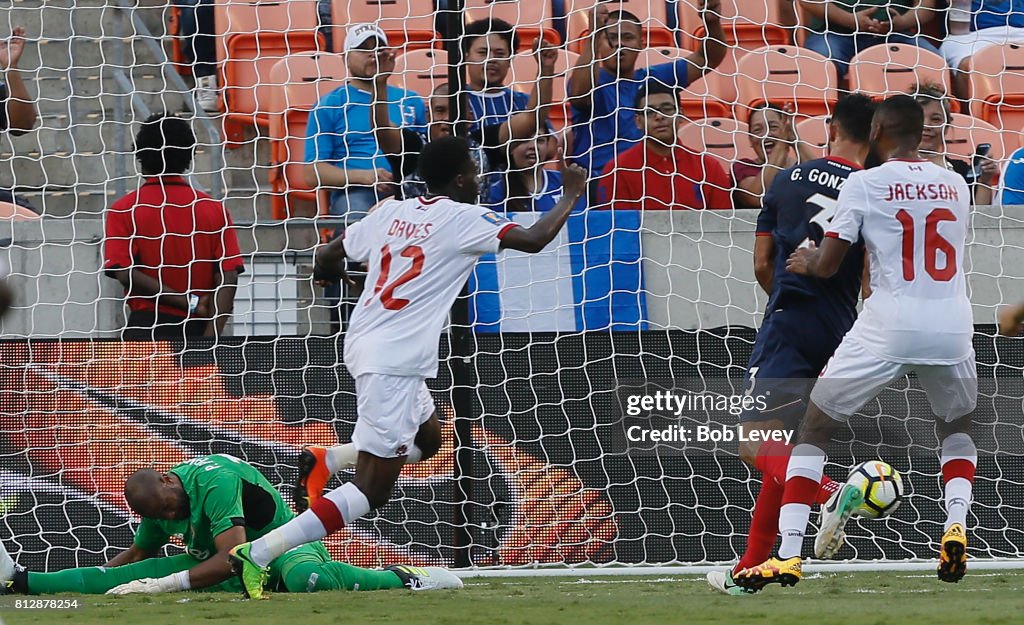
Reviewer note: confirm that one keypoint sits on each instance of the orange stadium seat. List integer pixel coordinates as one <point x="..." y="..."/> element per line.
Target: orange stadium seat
<point x="784" y="75"/>
<point x="420" y="70"/>
<point x="653" y="15"/>
<point x="890" y="69"/>
<point x="750" y="24"/>
<point x="699" y="100"/>
<point x="13" y="212"/>
<point x="724" y="137"/>
<point x="968" y="132"/>
<point x="524" y="75"/>
<point x="997" y="85"/>
<point x="252" y="36"/>
<point x="531" y="19"/>
<point x="814" y="130"/>
<point x="298" y="83"/>
<point x="408" y="23"/>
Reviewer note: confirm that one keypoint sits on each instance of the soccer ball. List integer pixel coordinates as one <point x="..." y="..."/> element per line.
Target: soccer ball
<point x="882" y="487"/>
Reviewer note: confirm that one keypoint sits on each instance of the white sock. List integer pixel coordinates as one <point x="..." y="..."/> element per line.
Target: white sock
<point x="303" y="529"/>
<point x="350" y="501"/>
<point x="793" y="519"/>
<point x="341" y="457"/>
<point x="958" y="501"/>
<point x="806" y="461"/>
<point x="958" y="493"/>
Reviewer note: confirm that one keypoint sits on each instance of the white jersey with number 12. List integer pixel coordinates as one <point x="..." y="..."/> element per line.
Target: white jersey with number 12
<point x="913" y="217"/>
<point x="420" y="252"/>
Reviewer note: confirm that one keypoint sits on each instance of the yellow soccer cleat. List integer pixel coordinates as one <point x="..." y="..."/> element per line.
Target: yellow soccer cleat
<point x="953" y="554"/>
<point x="775" y="571"/>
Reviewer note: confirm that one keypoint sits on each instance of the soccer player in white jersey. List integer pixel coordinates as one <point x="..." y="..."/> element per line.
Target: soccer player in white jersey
<point x="420" y="253"/>
<point x="913" y="218"/>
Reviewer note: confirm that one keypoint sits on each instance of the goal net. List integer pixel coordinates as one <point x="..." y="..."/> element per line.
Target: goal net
<point x="538" y="466"/>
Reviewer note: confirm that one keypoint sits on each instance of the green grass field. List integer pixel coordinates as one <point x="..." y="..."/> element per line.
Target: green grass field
<point x="826" y="599"/>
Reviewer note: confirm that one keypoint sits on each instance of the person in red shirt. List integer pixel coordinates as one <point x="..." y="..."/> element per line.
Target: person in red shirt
<point x="173" y="248"/>
<point x="658" y="173"/>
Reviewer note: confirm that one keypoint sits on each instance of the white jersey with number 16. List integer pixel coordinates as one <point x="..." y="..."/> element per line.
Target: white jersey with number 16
<point x="420" y="252"/>
<point x="913" y="217"/>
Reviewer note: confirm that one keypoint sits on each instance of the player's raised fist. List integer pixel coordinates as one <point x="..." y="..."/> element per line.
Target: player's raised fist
<point x="574" y="178"/>
<point x="711" y="9"/>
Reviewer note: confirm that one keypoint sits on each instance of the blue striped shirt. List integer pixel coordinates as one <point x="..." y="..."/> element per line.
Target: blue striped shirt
<point x="608" y="125"/>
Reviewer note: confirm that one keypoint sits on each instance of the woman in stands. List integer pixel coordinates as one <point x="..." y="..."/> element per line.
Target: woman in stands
<point x="937" y="124"/>
<point x="773" y="138"/>
<point x="527" y="186"/>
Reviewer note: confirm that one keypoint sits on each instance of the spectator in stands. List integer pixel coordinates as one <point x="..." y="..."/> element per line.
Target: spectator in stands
<point x="173" y="248"/>
<point x="499" y="113"/>
<point x="196" y="27"/>
<point x="341" y="149"/>
<point x="1011" y="192"/>
<point x="526" y="186"/>
<point x="973" y="26"/>
<point x="606" y="81"/>
<point x="937" y="124"/>
<point x="658" y="173"/>
<point x="18" y="111"/>
<point x="773" y="138"/>
<point x="842" y="28"/>
<point x="402" y="146"/>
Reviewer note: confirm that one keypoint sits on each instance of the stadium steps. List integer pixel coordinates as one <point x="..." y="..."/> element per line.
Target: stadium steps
<point x="75" y="160"/>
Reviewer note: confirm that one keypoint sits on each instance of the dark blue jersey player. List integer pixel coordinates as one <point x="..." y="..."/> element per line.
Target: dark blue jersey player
<point x="805" y="319"/>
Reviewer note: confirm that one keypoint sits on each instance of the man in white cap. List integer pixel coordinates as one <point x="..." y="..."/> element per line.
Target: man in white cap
<point x="341" y="149"/>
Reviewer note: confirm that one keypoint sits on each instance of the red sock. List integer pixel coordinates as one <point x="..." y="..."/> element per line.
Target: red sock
<point x="328" y="513"/>
<point x="772" y="460"/>
<point x="764" y="525"/>
<point x="827" y="488"/>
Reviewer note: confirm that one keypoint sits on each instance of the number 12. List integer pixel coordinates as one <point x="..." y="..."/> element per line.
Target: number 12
<point x="387" y="291"/>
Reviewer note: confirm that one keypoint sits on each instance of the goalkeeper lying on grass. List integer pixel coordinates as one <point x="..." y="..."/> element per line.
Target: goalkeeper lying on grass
<point x="212" y="503"/>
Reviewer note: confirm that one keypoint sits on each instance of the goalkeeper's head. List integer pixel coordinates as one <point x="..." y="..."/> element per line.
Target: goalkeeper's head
<point x="155" y="495"/>
<point x="164" y="145"/>
<point x="448" y="168"/>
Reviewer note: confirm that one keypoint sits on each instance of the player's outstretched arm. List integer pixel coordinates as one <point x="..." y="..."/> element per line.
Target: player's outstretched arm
<point x="535" y="238"/>
<point x="128" y="556"/>
<point x="210" y="572"/>
<point x="818" y="262"/>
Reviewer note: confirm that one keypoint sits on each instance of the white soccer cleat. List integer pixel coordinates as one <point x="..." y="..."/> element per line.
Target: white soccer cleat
<point x="723" y="583"/>
<point x="832" y="520"/>
<point x="426" y="577"/>
<point x="6" y="567"/>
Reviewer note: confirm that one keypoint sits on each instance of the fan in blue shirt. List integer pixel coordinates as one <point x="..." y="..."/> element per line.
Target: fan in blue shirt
<point x="602" y="93"/>
<point x="1012" y="193"/>
<point x="498" y="113"/>
<point x="527" y="186"/>
<point x="341" y="149"/>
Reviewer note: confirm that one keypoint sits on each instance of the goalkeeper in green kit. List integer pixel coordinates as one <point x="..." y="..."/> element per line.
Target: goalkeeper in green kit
<point x="212" y="503"/>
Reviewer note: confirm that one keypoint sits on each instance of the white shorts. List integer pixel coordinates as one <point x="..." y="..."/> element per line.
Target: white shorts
<point x="854" y="376"/>
<point x="390" y="411"/>
<point x="956" y="48"/>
